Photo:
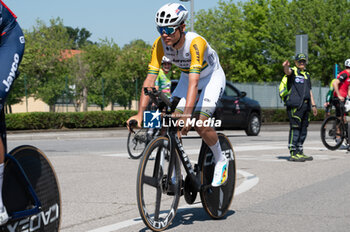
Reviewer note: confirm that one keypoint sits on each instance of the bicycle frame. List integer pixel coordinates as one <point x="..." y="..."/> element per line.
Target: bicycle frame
<point x="37" y="203"/>
<point x="175" y="142"/>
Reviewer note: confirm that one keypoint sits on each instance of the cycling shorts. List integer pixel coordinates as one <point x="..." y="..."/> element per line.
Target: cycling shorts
<point x="11" y="53"/>
<point x="211" y="88"/>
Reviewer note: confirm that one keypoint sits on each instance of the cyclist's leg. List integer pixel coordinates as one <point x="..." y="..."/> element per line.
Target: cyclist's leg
<point x="212" y="89"/>
<point x="11" y="52"/>
<point x="339" y="112"/>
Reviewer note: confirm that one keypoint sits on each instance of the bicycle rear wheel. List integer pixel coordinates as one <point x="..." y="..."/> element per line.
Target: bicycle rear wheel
<point x="157" y="199"/>
<point x="44" y="181"/>
<point x="216" y="201"/>
<point x="332" y="133"/>
<point x="137" y="143"/>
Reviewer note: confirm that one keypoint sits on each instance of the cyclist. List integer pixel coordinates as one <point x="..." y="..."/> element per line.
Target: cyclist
<point x="200" y="70"/>
<point x="163" y="81"/>
<point x="329" y="99"/>
<point x="11" y="52"/>
<point x="341" y="89"/>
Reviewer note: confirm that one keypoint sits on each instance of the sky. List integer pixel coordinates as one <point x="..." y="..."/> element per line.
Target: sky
<point x="120" y="20"/>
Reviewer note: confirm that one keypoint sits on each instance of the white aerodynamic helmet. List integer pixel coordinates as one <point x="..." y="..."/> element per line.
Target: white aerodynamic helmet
<point x="171" y="14"/>
<point x="165" y="60"/>
<point x="347" y="63"/>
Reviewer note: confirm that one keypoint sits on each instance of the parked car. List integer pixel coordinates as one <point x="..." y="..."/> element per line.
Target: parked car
<point x="236" y="111"/>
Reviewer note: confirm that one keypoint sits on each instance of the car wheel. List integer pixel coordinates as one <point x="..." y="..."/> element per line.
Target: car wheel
<point x="254" y="125"/>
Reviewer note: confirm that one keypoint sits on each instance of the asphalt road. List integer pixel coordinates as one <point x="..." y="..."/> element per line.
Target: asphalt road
<point x="98" y="183"/>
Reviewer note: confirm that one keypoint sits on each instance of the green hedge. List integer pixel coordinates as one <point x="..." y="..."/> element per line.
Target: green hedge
<point x="103" y="119"/>
<point x="46" y="120"/>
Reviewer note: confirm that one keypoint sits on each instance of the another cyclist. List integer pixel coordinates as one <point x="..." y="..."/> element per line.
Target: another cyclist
<point x="341" y="89"/>
<point x="341" y="92"/>
<point x="329" y="99"/>
<point x="163" y="81"/>
<point x="201" y="70"/>
<point x="11" y="52"/>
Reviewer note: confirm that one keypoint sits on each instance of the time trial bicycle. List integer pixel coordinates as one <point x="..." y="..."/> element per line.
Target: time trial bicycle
<point x="159" y="180"/>
<point x="31" y="192"/>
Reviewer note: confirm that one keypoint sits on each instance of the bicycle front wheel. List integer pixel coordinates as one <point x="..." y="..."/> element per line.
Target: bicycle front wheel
<point x="332" y="132"/>
<point x="137" y="143"/>
<point x="157" y="194"/>
<point x="217" y="200"/>
<point x="43" y="179"/>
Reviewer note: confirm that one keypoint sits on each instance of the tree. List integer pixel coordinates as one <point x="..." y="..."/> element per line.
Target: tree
<point x="253" y="38"/>
<point x="131" y="71"/>
<point x="43" y="62"/>
<point x="79" y="37"/>
<point x="326" y="23"/>
<point x="17" y="92"/>
<point x="101" y="58"/>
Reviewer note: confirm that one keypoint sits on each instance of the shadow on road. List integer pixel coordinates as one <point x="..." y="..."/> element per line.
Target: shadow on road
<point x="189" y="215"/>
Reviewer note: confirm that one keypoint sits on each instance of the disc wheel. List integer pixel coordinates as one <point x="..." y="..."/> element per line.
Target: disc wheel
<point x="16" y="194"/>
<point x="217" y="200"/>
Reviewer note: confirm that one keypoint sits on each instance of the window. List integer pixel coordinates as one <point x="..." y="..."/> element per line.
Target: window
<point x="230" y="92"/>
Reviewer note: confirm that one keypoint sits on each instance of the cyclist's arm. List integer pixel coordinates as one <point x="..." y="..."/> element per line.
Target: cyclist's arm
<point x="153" y="69"/>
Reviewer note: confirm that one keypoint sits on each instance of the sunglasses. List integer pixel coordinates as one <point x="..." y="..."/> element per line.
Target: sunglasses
<point x="302" y="61"/>
<point x="167" y="30"/>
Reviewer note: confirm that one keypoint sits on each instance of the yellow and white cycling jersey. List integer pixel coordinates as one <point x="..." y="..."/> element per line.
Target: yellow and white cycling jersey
<point x="195" y="56"/>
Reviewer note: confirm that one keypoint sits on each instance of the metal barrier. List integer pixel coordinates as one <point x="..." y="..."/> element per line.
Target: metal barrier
<point x="267" y="94"/>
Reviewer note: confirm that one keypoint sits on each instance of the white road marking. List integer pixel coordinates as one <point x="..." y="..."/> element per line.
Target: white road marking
<point x="273" y="157"/>
<point x="250" y="180"/>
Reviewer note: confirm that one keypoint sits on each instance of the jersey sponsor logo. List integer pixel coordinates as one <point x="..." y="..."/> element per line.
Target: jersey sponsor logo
<point x="299" y="79"/>
<point x="197" y="52"/>
<point x="211" y="59"/>
<point x="182" y="63"/>
<point x="12" y="74"/>
<point x="21" y="39"/>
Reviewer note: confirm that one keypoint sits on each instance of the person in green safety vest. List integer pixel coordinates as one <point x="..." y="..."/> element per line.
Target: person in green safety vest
<point x="299" y="103"/>
<point x="163" y="81"/>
